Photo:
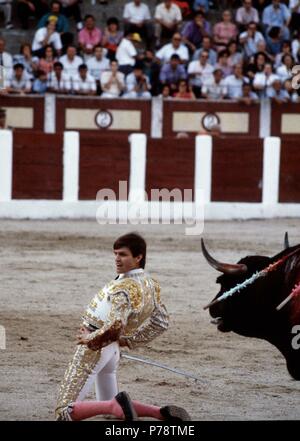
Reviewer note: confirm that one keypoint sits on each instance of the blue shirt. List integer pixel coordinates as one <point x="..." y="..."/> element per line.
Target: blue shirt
<point x="169" y="75"/>
<point x="276" y="17"/>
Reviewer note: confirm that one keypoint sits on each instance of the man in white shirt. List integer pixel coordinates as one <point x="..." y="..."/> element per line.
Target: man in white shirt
<point x="71" y="62"/>
<point x="6" y="60"/>
<point x="112" y="81"/>
<point x="98" y="63"/>
<point x="175" y="47"/>
<point x="250" y="38"/>
<point x="246" y="14"/>
<point x="137" y="84"/>
<point x="199" y="71"/>
<point x="137" y="19"/>
<point x="126" y="52"/>
<point x="214" y="87"/>
<point x="167" y="19"/>
<point x="235" y="82"/>
<point x="46" y="36"/>
<point x="84" y="83"/>
<point x="263" y="81"/>
<point x="59" y="81"/>
<point x="19" y="82"/>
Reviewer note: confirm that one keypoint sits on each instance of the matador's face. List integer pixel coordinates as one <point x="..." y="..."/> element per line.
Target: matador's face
<point x="125" y="261"/>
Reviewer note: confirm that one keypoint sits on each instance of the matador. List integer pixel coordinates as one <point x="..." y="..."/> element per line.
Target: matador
<point x="128" y="311"/>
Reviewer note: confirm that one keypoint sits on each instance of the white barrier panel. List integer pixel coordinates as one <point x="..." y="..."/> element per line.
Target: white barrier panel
<point x="271" y="170"/>
<point x="138" y="146"/>
<point x="71" y="166"/>
<point x="6" y="164"/>
<point x="203" y="168"/>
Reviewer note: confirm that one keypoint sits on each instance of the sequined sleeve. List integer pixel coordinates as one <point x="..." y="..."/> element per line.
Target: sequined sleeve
<point x="115" y="323"/>
<point x="155" y="326"/>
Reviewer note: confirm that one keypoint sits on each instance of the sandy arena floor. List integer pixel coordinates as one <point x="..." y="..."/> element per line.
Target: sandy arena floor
<point x="49" y="272"/>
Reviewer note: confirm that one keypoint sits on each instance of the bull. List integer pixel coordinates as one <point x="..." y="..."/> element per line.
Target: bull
<point x="260" y="297"/>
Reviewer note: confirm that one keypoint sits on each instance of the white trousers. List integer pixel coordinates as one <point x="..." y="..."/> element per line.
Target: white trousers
<point x="104" y="375"/>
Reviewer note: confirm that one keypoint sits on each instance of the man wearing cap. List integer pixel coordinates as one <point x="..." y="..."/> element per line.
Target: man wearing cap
<point x="126" y="53"/>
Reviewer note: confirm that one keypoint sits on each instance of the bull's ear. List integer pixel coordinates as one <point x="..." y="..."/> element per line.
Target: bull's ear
<point x="286" y="240"/>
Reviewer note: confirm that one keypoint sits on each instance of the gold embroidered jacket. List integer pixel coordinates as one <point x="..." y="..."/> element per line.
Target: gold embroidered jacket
<point x="129" y="307"/>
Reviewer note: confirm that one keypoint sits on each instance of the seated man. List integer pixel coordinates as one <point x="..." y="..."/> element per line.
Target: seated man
<point x="19" y="83"/>
<point x="248" y="96"/>
<point x="58" y="81"/>
<point x="112" y="81"/>
<point x="167" y="20"/>
<point x="137" y="84"/>
<point x="137" y="19"/>
<point x="84" y="83"/>
<point x="172" y="72"/>
<point x="89" y="36"/>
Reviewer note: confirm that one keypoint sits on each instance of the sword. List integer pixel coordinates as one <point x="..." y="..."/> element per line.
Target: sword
<point x="162" y="366"/>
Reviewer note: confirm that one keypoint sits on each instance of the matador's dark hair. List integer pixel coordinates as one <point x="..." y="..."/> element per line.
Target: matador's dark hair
<point x="135" y="243"/>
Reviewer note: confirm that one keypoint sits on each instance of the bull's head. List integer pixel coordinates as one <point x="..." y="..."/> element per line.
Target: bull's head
<point x="251" y="310"/>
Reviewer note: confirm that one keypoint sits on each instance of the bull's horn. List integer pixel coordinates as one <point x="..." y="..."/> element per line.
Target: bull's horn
<point x="286" y="240"/>
<point x="226" y="268"/>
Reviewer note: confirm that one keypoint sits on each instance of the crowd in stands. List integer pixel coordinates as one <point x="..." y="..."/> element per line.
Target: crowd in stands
<point x="176" y="53"/>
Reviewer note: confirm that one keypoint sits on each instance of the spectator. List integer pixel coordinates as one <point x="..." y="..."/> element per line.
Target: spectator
<point x="277" y="94"/>
<point x="194" y="31"/>
<point x="6" y="7"/>
<point x="71" y="62"/>
<point x="137" y="84"/>
<point x="296" y="47"/>
<point x="246" y="14"/>
<point x="167" y="20"/>
<point x="214" y="87"/>
<point x="172" y="72"/>
<point x="206" y="46"/>
<point x="285" y="70"/>
<point x="262" y="47"/>
<point x="175" y="47"/>
<point x="137" y="19"/>
<point x="19" y="83"/>
<point x="277" y="15"/>
<point x="201" y="5"/>
<point x="224" y="31"/>
<point x="84" y="83"/>
<point x="234" y="56"/>
<point x="6" y="60"/>
<point x="293" y="95"/>
<point x="40" y="84"/>
<point x="25" y="57"/>
<point x="46" y="36"/>
<point x="166" y="92"/>
<point x="256" y="65"/>
<point x="294" y="7"/>
<point x="98" y="63"/>
<point x="58" y="81"/>
<point x="235" y="82"/>
<point x="71" y="8"/>
<point x="248" y="96"/>
<point x="223" y="64"/>
<point x="112" y="81"/>
<point x="112" y="37"/>
<point x="286" y="49"/>
<point x="199" y="71"/>
<point x="184" y="91"/>
<point x="250" y="38"/>
<point x="152" y="71"/>
<point x="127" y="53"/>
<point x="62" y="23"/>
<point x="46" y="63"/>
<point x="89" y="36"/>
<point x="27" y="8"/>
<point x="274" y="39"/>
<point x="184" y="8"/>
<point x="263" y="81"/>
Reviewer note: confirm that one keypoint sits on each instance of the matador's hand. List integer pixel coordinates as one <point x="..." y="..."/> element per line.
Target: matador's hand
<point x="82" y="336"/>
